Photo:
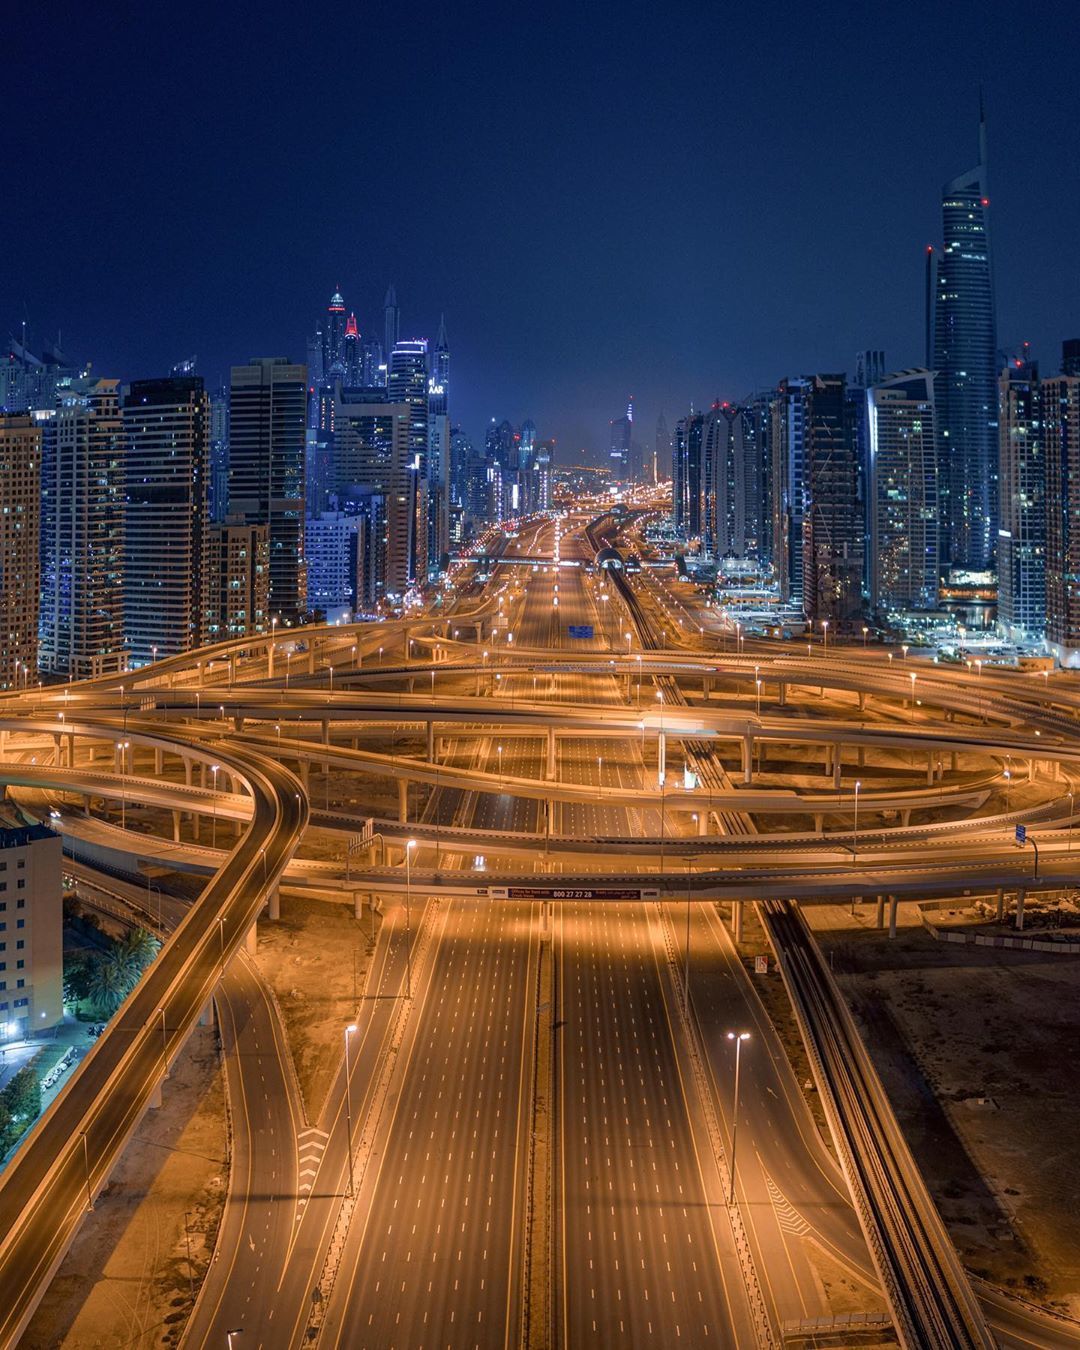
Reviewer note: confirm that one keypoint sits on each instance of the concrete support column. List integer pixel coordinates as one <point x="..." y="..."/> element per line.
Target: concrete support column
<point x="837" y="765"/>
<point x="880" y="918"/>
<point x="155" y="1096"/>
<point x="1020" y="896"/>
<point x="892" y="916"/>
<point x="206" y="1017"/>
<point x="1000" y="904"/>
<point x="176" y="827"/>
<point x="273" y="900"/>
<point x="819" y="821"/>
<point x="251" y="941"/>
<point x="862" y="700"/>
<point x="703" y="822"/>
<point x="929" y="768"/>
<point x="706" y="686"/>
<point x="905" y="817"/>
<point x="736" y="920"/>
<point x="311" y="659"/>
<point x="431" y="742"/>
<point x="862" y="757"/>
<point x="187" y="771"/>
<point x="748" y="759"/>
<point x="953" y="759"/>
<point x="157" y="760"/>
<point x="326" y="731"/>
<point x="58" y="749"/>
<point x="550" y="769"/>
<point x="305" y="771"/>
<point x="781" y="694"/>
<point x="403" y="800"/>
<point x="358" y="899"/>
<point x="661" y="755"/>
<point x="238" y="723"/>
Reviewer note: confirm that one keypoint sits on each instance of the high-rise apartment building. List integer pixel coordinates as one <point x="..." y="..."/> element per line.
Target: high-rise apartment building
<point x="722" y="520"/>
<point x="661" y="459"/>
<point x="407" y="383"/>
<point x="753" y="449"/>
<point x="32" y="923"/>
<point x="166" y="516"/>
<point x="391" y="323"/>
<point x="20" y="526"/>
<point x="239" y="579"/>
<point x="30" y="380"/>
<point x="687" y="476"/>
<point x="818" y="533"/>
<point x="219" y="454"/>
<point x="373" y="451"/>
<point x="1060" y="415"/>
<point x="81" y="626"/>
<point x="267" y="401"/>
<point x="438" y="452"/>
<point x="965" y="359"/>
<point x="1021" y="548"/>
<point x="902" y="492"/>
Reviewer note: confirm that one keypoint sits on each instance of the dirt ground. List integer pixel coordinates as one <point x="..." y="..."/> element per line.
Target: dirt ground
<point x="315" y="959"/>
<point x="126" y="1281"/>
<point x="972" y="1047"/>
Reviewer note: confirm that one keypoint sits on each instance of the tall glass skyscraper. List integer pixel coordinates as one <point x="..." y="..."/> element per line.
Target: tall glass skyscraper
<point x="965" y="357"/>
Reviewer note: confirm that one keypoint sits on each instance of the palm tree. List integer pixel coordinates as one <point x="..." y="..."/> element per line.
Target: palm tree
<point x="140" y="947"/>
<point x="111" y="980"/>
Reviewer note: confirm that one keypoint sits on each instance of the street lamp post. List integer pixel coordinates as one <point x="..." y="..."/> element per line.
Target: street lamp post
<point x="1068" y="846"/>
<point x="825" y="635"/>
<point x="236" y="1331"/>
<point x="855" y="830"/>
<point x="164" y="1041"/>
<point x="738" y="1037"/>
<point x="86" y="1166"/>
<point x="348" y="1106"/>
<point x="213" y="819"/>
<point x="912" y="677"/>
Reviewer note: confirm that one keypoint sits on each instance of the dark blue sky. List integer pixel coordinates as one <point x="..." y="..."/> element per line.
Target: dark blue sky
<point x="675" y="200"/>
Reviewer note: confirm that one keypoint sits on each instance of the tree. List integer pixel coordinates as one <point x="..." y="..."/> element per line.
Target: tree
<point x="111" y="980"/>
<point x="140" y="947"/>
<point x="22" y="1095"/>
<point x="76" y="978"/>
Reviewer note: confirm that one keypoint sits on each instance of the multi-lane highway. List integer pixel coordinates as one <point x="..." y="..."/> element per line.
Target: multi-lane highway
<point x="541" y="757"/>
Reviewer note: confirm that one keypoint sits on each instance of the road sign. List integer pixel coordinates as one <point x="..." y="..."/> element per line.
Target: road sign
<point x="580" y="630"/>
<point x="761" y="965"/>
<point x="1021" y="834"/>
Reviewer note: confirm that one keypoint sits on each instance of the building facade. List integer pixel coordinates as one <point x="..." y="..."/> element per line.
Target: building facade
<point x="267" y="401"/>
<point x="31" y="927"/>
<point x="1060" y="415"/>
<point x="20" y="534"/>
<point x="81" y="627"/>
<point x="239" y="586"/>
<point x="166" y="516"/>
<point x="1021" y="548"/>
<point x="902" y="495"/>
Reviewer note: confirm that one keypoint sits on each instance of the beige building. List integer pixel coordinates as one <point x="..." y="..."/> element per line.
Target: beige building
<point x="20" y="533"/>
<point x="31" y="927"/>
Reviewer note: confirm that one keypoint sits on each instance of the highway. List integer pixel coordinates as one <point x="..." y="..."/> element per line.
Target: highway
<point x="539" y="771"/>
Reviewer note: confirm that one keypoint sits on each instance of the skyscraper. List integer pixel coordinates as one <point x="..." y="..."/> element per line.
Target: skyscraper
<point x="818" y="533"/>
<point x="1021" y="559"/>
<point x="965" y="358"/>
<point x="902" y="492"/>
<point x="20" y="494"/>
<point x="438" y="452"/>
<point x="333" y="361"/>
<point x="753" y="442"/>
<point x="621" y="437"/>
<point x="239" y="584"/>
<point x="661" y="461"/>
<point x="723" y="519"/>
<point x="30" y="380"/>
<point x="687" y="478"/>
<point x="81" y="628"/>
<point x="373" y="454"/>
<point x="267" y="400"/>
<point x="1060" y="414"/>
<point x="166" y="516"/>
<point x="407" y="383"/>
<point x="219" y="454"/>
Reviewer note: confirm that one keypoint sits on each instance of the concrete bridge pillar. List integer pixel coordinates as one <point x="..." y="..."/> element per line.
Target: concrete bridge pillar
<point x="403" y="800"/>
<point x="155" y="1096"/>
<point x="862" y="757"/>
<point x="251" y="941"/>
<point x="238" y="723"/>
<point x="837" y="765"/>
<point x="661" y="756"/>
<point x="953" y="761"/>
<point x="187" y="770"/>
<point x="550" y="769"/>
<point x="176" y="827"/>
<point x="431" y="742"/>
<point x="905" y="816"/>
<point x="929" y="768"/>
<point x="311" y="658"/>
<point x="781" y="694"/>
<point x="819" y="821"/>
<point x="157" y="760"/>
<point x="358" y="901"/>
<point x="206" y="1016"/>
<point x="862" y="700"/>
<point x="232" y="667"/>
<point x="892" y="916"/>
<point x="1000" y="904"/>
<point x="880" y="917"/>
<point x="706" y="686"/>
<point x="305" y="771"/>
<point x="736" y="920"/>
<point x="58" y="748"/>
<point x="748" y="758"/>
<point x="326" y="731"/>
<point x="703" y="822"/>
<point x="1020" y="897"/>
<point x="273" y="901"/>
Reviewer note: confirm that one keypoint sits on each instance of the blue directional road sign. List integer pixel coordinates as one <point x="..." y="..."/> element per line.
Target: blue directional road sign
<point x="581" y="630"/>
<point x="1021" y="834"/>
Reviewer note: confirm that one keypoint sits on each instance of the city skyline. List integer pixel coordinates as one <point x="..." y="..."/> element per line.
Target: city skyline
<point x="681" y="298"/>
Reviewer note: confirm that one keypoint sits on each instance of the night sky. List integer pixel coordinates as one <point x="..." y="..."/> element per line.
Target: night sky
<point x="671" y="200"/>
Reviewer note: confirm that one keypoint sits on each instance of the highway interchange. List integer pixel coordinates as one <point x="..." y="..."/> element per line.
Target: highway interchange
<point x="430" y="1243"/>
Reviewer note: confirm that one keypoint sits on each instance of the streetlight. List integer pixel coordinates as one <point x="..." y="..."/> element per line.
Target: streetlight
<point x="738" y="1037"/>
<point x="236" y="1331"/>
<point x="122" y="747"/>
<point x="913" y="677"/>
<point x="164" y="1041"/>
<point x="855" y="831"/>
<point x="865" y="631"/>
<point x="348" y="1105"/>
<point x="408" y="917"/>
<point x="758" y="683"/>
<point x="825" y="634"/>
<point x="904" y="649"/>
<point x="213" y="827"/>
<point x="1068" y="848"/>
